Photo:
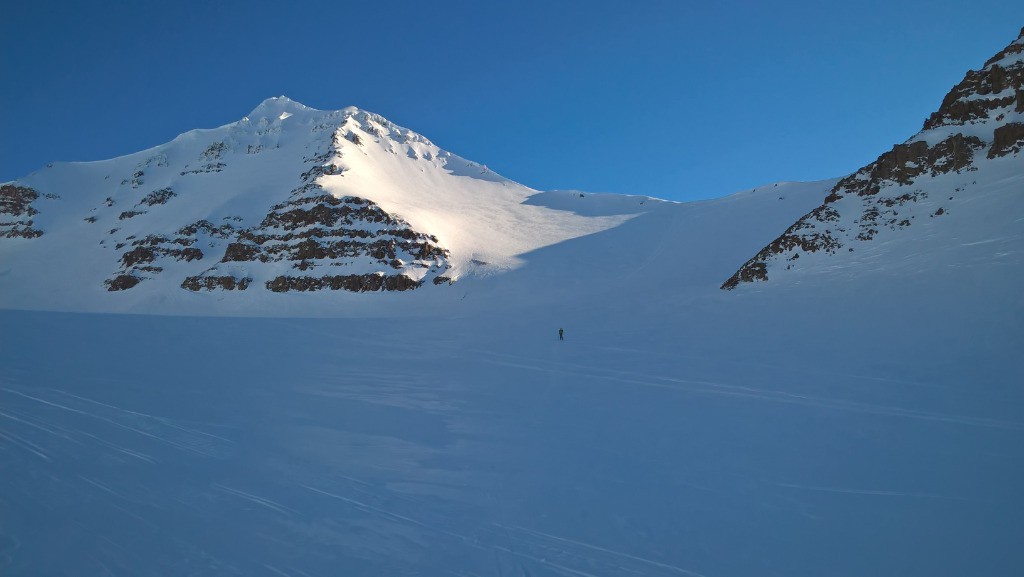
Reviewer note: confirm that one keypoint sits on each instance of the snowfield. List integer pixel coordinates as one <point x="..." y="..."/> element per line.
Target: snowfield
<point x="861" y="428"/>
<point x="177" y="399"/>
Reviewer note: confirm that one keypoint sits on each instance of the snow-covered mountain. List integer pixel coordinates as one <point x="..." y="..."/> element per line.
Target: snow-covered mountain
<point x="286" y="199"/>
<point x="291" y="199"/>
<point x="954" y="183"/>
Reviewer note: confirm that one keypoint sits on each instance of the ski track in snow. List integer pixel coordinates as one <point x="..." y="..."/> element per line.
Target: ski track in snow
<point x="479" y="454"/>
<point x="707" y="387"/>
<point x="192" y="440"/>
<point x="868" y="492"/>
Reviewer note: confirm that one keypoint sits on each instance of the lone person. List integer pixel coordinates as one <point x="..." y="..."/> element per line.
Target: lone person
<point x="561" y="334"/>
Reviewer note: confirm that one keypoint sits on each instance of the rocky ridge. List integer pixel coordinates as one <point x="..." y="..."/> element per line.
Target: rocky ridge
<point x="984" y="112"/>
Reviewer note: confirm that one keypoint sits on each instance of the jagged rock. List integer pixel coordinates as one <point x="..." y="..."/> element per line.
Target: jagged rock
<point x="147" y="250"/>
<point x="158" y="197"/>
<point x="323" y="227"/>
<point x="16" y="203"/>
<point x="748" y="273"/>
<point x="966" y="102"/>
<point x="121" y="282"/>
<point x="129" y="214"/>
<point x="206" y="227"/>
<point x="1015" y="47"/>
<point x="206" y="168"/>
<point x="227" y="282"/>
<point x="137" y="255"/>
<point x="240" y="252"/>
<point x="214" y="152"/>
<point x="135" y="180"/>
<point x="371" y="282"/>
<point x="1007" y="139"/>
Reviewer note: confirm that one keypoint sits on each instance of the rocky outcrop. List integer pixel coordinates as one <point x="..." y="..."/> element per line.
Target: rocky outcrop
<point x="881" y="194"/>
<point x="157" y="197"/>
<point x="1008" y="139"/>
<point x="142" y="260"/>
<point x="209" y="283"/>
<point x="877" y="191"/>
<point x="371" y="282"/>
<point x="314" y="229"/>
<point x="16" y="212"/>
<point x="325" y="228"/>
<point x="210" y="159"/>
<point x="983" y="92"/>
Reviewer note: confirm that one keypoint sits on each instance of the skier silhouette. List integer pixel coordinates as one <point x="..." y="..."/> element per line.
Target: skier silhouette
<point x="561" y="334"/>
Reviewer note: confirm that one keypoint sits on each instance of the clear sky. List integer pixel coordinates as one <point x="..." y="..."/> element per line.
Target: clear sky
<point x="674" y="99"/>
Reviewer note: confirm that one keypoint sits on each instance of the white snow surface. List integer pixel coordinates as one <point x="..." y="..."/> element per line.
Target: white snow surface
<point x="861" y="415"/>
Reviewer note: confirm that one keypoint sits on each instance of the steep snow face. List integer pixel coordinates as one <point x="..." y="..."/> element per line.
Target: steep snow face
<point x="953" y="186"/>
<point x="479" y="215"/>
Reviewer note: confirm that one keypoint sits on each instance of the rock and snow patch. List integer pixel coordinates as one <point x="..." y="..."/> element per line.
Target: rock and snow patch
<point x="975" y="136"/>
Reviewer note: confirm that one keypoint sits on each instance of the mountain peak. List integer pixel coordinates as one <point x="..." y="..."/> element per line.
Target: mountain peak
<point x="278" y="106"/>
<point x="1010" y="55"/>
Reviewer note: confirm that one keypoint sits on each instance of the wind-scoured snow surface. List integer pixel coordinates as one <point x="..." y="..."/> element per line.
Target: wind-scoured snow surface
<point x="861" y="429"/>
<point x="867" y="422"/>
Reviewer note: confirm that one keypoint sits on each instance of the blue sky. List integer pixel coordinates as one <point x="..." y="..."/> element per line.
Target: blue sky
<point x="673" y="99"/>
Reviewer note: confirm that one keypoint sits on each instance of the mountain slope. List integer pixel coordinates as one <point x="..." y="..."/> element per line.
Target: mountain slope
<point x="289" y="198"/>
<point x="954" y="183"/>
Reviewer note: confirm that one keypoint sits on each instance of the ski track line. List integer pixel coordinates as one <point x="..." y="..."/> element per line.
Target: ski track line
<point x="777" y="367"/>
<point x="583" y="369"/>
<point x="163" y="420"/>
<point x="30" y="423"/>
<point x="25" y="444"/>
<point x="78" y="489"/>
<point x="102" y="487"/>
<point x="708" y="387"/>
<point x="388" y="514"/>
<point x="111" y="445"/>
<point x="273" y="505"/>
<point x="602" y="549"/>
<point x="560" y="568"/>
<point x="876" y="492"/>
<point x="277" y="571"/>
<point x="115" y="423"/>
<point x="69" y="435"/>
